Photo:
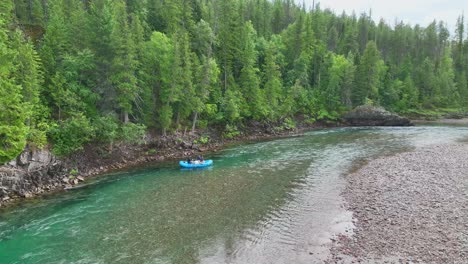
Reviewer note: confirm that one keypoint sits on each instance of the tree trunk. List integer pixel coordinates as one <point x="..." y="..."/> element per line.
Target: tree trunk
<point x="195" y="117"/>
<point x="125" y="117"/>
<point x="225" y="80"/>
<point x="177" y="122"/>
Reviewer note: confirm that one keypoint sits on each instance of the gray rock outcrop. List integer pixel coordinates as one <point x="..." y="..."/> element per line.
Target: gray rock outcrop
<point x="33" y="172"/>
<point x="366" y="115"/>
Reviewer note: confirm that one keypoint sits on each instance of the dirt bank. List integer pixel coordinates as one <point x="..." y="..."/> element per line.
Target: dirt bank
<point x="461" y="122"/>
<point x="408" y="208"/>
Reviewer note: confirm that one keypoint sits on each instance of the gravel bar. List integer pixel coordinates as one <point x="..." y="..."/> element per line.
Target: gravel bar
<point x="408" y="208"/>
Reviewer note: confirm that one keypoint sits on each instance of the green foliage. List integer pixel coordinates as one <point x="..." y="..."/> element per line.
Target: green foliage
<point x="132" y="133"/>
<point x="71" y="135"/>
<point x="340" y="84"/>
<point x="369" y="75"/>
<point x="174" y="64"/>
<point x="124" y="62"/>
<point x="202" y="140"/>
<point x="13" y="110"/>
<point x="203" y="124"/>
<point x="231" y="132"/>
<point x="107" y="129"/>
<point x="289" y="123"/>
<point x="151" y="151"/>
<point x="74" y="172"/>
<point x="325" y="115"/>
<point x="37" y="135"/>
<point x="232" y="106"/>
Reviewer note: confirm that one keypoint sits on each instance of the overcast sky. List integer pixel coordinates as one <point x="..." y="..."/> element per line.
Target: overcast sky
<point x="414" y="12"/>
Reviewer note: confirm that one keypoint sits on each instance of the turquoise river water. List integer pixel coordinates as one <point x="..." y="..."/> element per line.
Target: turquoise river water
<point x="268" y="202"/>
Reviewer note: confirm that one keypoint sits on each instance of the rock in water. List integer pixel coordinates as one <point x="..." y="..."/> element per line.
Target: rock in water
<point x="366" y="115"/>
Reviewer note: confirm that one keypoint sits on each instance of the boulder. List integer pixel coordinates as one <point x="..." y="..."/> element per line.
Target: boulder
<point x="3" y="192"/>
<point x="23" y="158"/>
<point x="366" y="115"/>
<point x="40" y="159"/>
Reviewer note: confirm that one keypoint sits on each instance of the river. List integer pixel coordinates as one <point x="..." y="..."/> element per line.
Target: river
<point x="266" y="202"/>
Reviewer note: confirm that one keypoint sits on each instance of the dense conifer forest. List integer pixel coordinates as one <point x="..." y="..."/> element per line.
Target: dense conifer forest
<point x="74" y="72"/>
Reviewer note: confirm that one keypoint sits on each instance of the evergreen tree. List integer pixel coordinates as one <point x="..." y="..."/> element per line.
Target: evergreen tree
<point x="273" y="86"/>
<point x="158" y="54"/>
<point x="249" y="81"/>
<point x="179" y="63"/>
<point x="338" y="92"/>
<point x="29" y="77"/>
<point x="124" y="64"/>
<point x="369" y="74"/>
<point x="13" y="111"/>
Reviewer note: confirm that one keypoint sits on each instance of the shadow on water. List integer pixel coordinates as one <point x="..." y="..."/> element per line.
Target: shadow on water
<point x="259" y="203"/>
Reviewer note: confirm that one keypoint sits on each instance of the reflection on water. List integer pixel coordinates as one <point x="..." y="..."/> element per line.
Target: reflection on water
<point x="269" y="202"/>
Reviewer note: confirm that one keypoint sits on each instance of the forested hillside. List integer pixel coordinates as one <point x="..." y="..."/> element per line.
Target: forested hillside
<point x="74" y="72"/>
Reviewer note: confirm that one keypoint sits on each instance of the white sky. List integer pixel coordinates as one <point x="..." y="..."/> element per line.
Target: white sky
<point x="414" y="12"/>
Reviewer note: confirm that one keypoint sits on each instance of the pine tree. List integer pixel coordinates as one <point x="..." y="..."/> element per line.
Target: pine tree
<point x="124" y="64"/>
<point x="158" y="57"/>
<point x="206" y="70"/>
<point x="29" y="76"/>
<point x="368" y="76"/>
<point x="339" y="87"/>
<point x="249" y="81"/>
<point x="229" y="37"/>
<point x="182" y="89"/>
<point x="273" y="86"/>
<point x="13" y="112"/>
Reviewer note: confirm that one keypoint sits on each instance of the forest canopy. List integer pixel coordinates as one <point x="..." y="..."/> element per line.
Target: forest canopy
<point x="79" y="71"/>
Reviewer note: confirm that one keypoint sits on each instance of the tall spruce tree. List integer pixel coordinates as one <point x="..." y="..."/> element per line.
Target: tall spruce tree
<point x="124" y="64"/>
<point x="368" y="76"/>
<point x="13" y="110"/>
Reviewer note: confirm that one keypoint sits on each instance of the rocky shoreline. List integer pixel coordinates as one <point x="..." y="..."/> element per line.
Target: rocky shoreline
<point x="408" y="208"/>
<point x="38" y="172"/>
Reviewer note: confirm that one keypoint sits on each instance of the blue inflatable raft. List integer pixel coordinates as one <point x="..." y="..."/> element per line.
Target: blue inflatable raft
<point x="205" y="164"/>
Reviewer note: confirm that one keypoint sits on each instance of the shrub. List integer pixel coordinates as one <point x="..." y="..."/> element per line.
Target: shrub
<point x="202" y="124"/>
<point x="74" y="172"/>
<point x="106" y="129"/>
<point x="133" y="133"/>
<point x="151" y="151"/>
<point x="37" y="136"/>
<point x="289" y="124"/>
<point x="71" y="135"/>
<point x="202" y="140"/>
<point x="12" y="142"/>
<point x="326" y="115"/>
<point x="230" y="132"/>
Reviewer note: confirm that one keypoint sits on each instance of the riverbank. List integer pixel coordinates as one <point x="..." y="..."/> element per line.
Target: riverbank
<point x="35" y="173"/>
<point x="408" y="208"/>
<point x="444" y="121"/>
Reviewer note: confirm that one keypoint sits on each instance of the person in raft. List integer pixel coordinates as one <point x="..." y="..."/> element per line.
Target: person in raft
<point x="199" y="160"/>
